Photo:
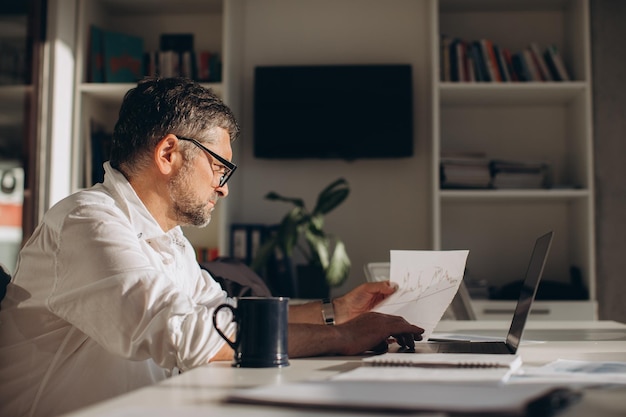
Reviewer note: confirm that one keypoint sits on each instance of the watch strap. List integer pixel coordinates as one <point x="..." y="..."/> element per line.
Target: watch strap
<point x="328" y="312"/>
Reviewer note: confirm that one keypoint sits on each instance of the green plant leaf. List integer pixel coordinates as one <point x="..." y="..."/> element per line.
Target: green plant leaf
<point x="339" y="267"/>
<point x="289" y="231"/>
<point x="319" y="247"/>
<point x="273" y="196"/>
<point x="304" y="231"/>
<point x="332" y="196"/>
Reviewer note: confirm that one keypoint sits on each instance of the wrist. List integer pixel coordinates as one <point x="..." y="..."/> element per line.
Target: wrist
<point x="328" y="312"/>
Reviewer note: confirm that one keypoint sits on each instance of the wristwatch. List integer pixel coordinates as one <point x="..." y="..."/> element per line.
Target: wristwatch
<point x="328" y="311"/>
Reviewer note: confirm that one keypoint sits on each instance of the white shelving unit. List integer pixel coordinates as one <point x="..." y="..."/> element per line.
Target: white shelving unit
<point x="100" y="102"/>
<point x="16" y="105"/>
<point x="545" y="121"/>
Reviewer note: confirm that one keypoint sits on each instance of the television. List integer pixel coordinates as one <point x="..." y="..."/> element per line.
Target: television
<point x="333" y="111"/>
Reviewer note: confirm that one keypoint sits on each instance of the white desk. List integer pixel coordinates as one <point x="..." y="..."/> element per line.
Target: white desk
<point x="198" y="392"/>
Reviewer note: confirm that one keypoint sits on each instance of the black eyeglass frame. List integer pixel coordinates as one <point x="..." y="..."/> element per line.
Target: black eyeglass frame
<point x="226" y="163"/>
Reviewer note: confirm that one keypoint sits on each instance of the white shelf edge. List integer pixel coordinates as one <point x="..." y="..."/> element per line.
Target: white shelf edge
<point x="510" y="92"/>
<point x="547" y="194"/>
<point x="459" y="6"/>
<point x="9" y="91"/>
<point x="114" y="92"/>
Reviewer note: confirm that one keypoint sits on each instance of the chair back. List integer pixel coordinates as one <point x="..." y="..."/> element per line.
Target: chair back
<point x="5" y="278"/>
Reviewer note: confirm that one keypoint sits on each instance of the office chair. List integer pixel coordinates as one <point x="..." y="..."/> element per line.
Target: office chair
<point x="460" y="308"/>
<point x="5" y="278"/>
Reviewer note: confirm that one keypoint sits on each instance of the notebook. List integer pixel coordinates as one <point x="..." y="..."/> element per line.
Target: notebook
<point x="453" y="360"/>
<point x="520" y="315"/>
<point x="434" y="367"/>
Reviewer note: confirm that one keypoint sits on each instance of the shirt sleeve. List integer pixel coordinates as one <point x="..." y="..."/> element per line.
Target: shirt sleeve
<point x="108" y="286"/>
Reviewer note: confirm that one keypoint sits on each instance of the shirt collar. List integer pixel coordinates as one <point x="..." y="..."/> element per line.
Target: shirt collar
<point x="145" y="225"/>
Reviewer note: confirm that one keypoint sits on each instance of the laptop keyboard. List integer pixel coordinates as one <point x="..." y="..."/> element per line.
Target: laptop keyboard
<point x="473" y="347"/>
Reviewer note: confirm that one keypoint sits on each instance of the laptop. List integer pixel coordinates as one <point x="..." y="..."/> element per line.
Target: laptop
<point x="520" y="316"/>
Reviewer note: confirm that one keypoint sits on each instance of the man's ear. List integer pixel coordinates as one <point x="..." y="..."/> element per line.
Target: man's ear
<point x="166" y="154"/>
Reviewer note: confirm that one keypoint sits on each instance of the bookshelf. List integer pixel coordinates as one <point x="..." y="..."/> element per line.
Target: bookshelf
<point x="546" y="121"/>
<point x="22" y="34"/>
<point x="99" y="102"/>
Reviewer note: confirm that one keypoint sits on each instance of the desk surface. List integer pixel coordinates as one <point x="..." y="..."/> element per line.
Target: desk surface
<point x="199" y="392"/>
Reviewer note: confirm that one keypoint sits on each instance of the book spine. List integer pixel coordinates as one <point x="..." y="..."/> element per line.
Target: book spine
<point x="529" y="63"/>
<point x="539" y="62"/>
<point x="502" y="66"/>
<point x="490" y="59"/>
<point x="558" y="63"/>
<point x="444" y="58"/>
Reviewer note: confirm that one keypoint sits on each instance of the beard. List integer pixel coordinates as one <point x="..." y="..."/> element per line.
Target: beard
<point x="188" y="208"/>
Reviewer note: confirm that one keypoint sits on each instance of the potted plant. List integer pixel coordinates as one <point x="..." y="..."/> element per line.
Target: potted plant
<point x="324" y="254"/>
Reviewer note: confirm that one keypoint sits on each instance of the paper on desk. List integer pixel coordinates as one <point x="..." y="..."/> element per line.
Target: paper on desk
<point x="427" y="282"/>
<point x="389" y="396"/>
<point x="575" y="372"/>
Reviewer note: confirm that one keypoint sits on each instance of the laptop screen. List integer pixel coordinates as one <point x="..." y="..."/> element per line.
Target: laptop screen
<point x="529" y="289"/>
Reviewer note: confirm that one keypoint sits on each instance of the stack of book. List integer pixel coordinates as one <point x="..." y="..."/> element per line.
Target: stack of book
<point x="516" y="175"/>
<point x="465" y="171"/>
<point x="475" y="171"/>
<point x="116" y="57"/>
<point x="13" y="65"/>
<point x="485" y="61"/>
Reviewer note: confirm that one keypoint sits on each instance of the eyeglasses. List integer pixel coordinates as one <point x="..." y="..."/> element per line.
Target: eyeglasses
<point x="227" y="166"/>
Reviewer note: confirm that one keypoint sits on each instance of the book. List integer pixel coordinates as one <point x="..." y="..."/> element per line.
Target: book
<point x="465" y="171"/>
<point x="444" y="64"/>
<point x="502" y="65"/>
<point x="96" y="56"/>
<point x="490" y="59"/>
<point x="123" y="57"/>
<point x="555" y="63"/>
<point x="508" y="57"/>
<point x="519" y="174"/>
<point x="203" y="61"/>
<point x="519" y="66"/>
<point x="98" y="152"/>
<point x="481" y="61"/>
<point x="178" y="42"/>
<point x="540" y="62"/>
<point x="531" y="66"/>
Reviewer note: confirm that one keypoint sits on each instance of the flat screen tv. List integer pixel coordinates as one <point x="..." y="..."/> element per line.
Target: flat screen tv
<point x="333" y="111"/>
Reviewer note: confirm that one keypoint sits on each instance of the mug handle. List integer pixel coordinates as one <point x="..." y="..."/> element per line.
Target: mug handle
<point x="223" y="336"/>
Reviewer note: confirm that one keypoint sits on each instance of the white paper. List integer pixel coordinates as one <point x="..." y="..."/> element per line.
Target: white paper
<point x="575" y="372"/>
<point x="468" y="397"/>
<point x="427" y="282"/>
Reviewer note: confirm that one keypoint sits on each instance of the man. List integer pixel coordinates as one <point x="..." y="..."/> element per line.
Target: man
<point x="108" y="296"/>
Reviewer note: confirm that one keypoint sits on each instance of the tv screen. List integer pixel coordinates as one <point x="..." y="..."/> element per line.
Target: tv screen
<point x="333" y="111"/>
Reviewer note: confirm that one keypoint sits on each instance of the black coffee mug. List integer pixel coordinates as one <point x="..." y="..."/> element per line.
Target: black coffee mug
<point x="261" y="336"/>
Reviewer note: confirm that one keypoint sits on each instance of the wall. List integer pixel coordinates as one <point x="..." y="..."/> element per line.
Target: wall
<point x="389" y="204"/>
<point x="609" y="91"/>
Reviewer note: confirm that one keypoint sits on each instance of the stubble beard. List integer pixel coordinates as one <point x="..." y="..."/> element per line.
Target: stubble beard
<point x="188" y="210"/>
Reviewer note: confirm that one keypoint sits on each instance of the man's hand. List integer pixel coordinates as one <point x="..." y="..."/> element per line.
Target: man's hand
<point x="361" y="300"/>
<point x="372" y="331"/>
<point x="367" y="332"/>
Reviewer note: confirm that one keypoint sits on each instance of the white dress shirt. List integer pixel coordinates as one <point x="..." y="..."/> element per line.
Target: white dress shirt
<point x="102" y="302"/>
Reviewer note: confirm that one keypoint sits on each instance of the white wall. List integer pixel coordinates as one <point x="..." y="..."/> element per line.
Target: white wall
<point x="389" y="204"/>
